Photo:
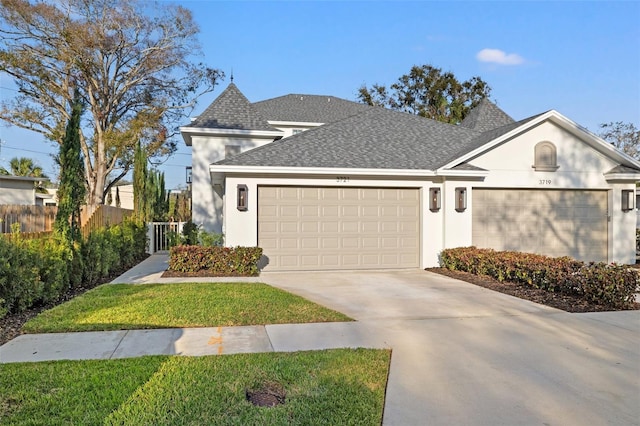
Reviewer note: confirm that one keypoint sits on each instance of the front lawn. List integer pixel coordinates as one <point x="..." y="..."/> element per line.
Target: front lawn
<point x="342" y="386"/>
<point x="143" y="306"/>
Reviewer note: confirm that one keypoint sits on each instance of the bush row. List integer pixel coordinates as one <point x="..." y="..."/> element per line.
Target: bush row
<point x="606" y="284"/>
<point x="34" y="271"/>
<point x="217" y="261"/>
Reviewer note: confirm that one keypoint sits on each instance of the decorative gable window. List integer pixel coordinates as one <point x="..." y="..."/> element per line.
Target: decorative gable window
<point x="545" y="157"/>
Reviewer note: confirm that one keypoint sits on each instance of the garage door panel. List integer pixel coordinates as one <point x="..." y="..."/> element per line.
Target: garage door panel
<point x="329" y="194"/>
<point x="350" y="226"/>
<point x="339" y="228"/>
<point x="552" y="222"/>
<point x="369" y="227"/>
<point x="370" y="211"/>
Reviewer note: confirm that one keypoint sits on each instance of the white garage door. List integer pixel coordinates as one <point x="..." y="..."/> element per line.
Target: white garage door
<point x="309" y="228"/>
<point x="549" y="222"/>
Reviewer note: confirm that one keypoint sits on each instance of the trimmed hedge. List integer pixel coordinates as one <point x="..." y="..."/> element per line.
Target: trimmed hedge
<point x="217" y="261"/>
<point x="606" y="284"/>
<point x="34" y="271"/>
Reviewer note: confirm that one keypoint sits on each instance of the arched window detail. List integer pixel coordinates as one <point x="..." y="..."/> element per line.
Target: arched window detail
<point x="545" y="157"/>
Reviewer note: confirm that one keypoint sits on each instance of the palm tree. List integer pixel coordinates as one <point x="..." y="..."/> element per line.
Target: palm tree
<point x="23" y="166"/>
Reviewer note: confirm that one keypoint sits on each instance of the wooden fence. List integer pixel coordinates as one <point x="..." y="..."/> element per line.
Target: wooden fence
<point x="35" y="220"/>
<point x="30" y="218"/>
<point x="100" y="216"/>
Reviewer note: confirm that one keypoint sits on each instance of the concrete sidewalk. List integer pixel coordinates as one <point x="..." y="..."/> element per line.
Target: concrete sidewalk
<point x="188" y="341"/>
<point x="461" y="354"/>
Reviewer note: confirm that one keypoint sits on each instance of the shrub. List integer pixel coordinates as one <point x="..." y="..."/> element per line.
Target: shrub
<point x="609" y="285"/>
<point x="20" y="284"/>
<point x="55" y="266"/>
<point x="190" y="233"/>
<point x="210" y="239"/>
<point x="218" y="261"/>
<point x="42" y="270"/>
<point x="111" y="249"/>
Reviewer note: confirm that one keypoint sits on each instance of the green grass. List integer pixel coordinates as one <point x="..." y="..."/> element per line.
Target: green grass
<point x="127" y="306"/>
<point x="342" y="386"/>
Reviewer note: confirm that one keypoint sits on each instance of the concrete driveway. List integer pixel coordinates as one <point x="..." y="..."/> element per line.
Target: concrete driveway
<point x="464" y="355"/>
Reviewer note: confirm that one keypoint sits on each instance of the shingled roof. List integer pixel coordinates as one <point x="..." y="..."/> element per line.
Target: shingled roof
<point x="232" y="110"/>
<point x="375" y="139"/>
<point x="309" y="108"/>
<point x="486" y="116"/>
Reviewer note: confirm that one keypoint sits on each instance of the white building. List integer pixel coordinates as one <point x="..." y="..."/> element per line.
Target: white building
<point x="323" y="183"/>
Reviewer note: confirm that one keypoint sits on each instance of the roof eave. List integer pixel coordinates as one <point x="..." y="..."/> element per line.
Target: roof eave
<point x="462" y="173"/>
<point x="221" y="168"/>
<point x="622" y="177"/>
<point x="188" y="132"/>
<point x="276" y="123"/>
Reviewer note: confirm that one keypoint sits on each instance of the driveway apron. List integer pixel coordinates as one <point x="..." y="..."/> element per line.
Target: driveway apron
<point x="466" y="355"/>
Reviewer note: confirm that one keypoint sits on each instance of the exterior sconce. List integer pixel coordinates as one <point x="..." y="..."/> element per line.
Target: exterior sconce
<point x="243" y="199"/>
<point x="434" y="199"/>
<point x="627" y="199"/>
<point x="461" y="199"/>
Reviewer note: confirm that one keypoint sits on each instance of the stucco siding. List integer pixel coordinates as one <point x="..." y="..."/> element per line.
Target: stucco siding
<point x="510" y="164"/>
<point x="17" y="192"/>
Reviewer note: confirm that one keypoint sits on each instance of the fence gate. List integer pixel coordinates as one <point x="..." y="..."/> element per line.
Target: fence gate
<point x="160" y="233"/>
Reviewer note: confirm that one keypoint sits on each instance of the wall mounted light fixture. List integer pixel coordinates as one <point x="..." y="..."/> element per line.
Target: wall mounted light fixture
<point x="461" y="199"/>
<point x="434" y="199"/>
<point x="628" y="200"/>
<point x="243" y="198"/>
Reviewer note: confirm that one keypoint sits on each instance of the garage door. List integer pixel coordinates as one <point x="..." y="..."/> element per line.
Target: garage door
<point x="550" y="222"/>
<point x="309" y="228"/>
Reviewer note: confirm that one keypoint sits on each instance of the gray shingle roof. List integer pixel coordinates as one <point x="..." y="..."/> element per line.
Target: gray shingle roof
<point x="375" y="139"/>
<point x="486" y="137"/>
<point x="486" y="116"/>
<point x="232" y="110"/>
<point x="309" y="108"/>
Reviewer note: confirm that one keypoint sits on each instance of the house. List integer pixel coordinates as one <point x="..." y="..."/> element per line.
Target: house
<point x="125" y="193"/>
<point x="321" y="183"/>
<point x="18" y="190"/>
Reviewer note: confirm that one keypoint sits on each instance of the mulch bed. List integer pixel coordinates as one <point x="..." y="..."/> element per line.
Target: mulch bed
<point x="565" y="302"/>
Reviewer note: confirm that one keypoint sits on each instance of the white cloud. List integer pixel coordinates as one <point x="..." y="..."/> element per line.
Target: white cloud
<point x="497" y="56"/>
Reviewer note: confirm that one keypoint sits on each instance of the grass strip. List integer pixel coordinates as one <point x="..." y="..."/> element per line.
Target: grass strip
<point x="339" y="386"/>
<point x="128" y="306"/>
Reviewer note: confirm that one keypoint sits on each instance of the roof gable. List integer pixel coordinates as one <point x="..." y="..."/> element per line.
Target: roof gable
<point x="490" y="139"/>
<point x="232" y="110"/>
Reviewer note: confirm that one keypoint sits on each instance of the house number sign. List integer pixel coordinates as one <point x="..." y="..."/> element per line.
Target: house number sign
<point x="544" y="182"/>
<point x="342" y="179"/>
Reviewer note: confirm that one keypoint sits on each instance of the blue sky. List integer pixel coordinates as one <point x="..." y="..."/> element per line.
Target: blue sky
<point x="579" y="58"/>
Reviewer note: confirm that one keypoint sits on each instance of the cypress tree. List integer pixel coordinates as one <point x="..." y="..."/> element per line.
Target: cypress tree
<point x="139" y="184"/>
<point x="72" y="189"/>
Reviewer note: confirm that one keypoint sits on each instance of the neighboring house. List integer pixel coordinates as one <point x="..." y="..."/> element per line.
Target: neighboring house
<point x="365" y="187"/>
<point x="47" y="199"/>
<point x="18" y="190"/>
<point x="126" y="196"/>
